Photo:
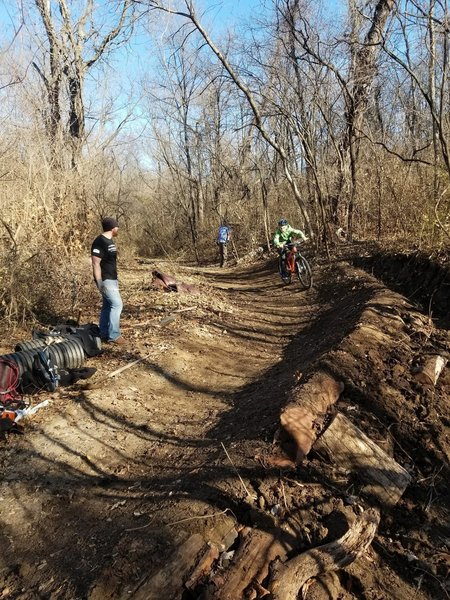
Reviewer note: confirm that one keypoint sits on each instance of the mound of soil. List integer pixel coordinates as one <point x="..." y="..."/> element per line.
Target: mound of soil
<point x="423" y="279"/>
<point x="116" y="489"/>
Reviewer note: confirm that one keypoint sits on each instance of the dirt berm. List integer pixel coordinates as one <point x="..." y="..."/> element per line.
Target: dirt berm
<point x="173" y="479"/>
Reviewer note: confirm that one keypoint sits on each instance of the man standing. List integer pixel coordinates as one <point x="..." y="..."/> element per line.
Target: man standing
<point x="223" y="237"/>
<point x="104" y="267"/>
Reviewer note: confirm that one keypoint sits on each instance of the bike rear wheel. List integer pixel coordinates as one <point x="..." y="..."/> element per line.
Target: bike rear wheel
<point x="303" y="271"/>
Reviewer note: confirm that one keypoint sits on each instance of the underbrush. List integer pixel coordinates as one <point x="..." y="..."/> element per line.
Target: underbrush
<point x="48" y="286"/>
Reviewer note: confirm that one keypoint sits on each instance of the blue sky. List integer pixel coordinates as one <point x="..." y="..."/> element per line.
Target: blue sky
<point x="131" y="62"/>
<point x="233" y="10"/>
<point x="219" y="16"/>
<point x="228" y="11"/>
<point x="223" y="12"/>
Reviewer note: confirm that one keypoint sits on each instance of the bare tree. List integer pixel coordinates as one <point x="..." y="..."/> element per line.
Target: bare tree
<point x="74" y="44"/>
<point x="355" y="85"/>
<point x="190" y="14"/>
<point x="428" y="70"/>
<point x="179" y="128"/>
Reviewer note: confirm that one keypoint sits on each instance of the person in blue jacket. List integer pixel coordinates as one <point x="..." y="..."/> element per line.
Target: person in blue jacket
<point x="223" y="237"/>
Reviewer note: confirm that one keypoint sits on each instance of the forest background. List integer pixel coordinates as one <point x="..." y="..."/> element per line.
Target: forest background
<point x="172" y="115"/>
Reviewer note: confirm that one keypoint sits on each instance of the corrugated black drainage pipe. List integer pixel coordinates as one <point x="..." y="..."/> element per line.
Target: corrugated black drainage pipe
<point x="66" y="355"/>
<point x="91" y="347"/>
<point x="35" y="344"/>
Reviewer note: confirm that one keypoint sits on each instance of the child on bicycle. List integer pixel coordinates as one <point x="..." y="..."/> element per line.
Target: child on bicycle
<point x="283" y="235"/>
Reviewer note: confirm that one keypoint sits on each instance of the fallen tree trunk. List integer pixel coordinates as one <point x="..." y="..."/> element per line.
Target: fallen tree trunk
<point x="288" y="578"/>
<point x="189" y="562"/>
<point x="168" y="582"/>
<point x="351" y="449"/>
<point x="309" y="403"/>
<point x="257" y="549"/>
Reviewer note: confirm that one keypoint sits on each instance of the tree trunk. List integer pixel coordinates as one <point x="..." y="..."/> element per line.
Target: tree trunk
<point x="308" y="406"/>
<point x="362" y="76"/>
<point x="348" y="447"/>
<point x="287" y="579"/>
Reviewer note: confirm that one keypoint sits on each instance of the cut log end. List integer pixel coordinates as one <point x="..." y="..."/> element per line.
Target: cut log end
<point x="303" y="416"/>
<point x="430" y="371"/>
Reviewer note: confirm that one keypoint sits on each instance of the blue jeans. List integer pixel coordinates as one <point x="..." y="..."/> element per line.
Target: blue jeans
<point x="111" y="309"/>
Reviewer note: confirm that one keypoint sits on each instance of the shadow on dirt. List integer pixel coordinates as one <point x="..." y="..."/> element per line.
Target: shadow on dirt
<point x="256" y="409"/>
<point x="129" y="535"/>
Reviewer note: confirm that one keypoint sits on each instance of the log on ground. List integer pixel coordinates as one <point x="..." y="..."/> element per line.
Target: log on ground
<point x="188" y="563"/>
<point x="351" y="449"/>
<point x="257" y="549"/>
<point x="309" y="403"/>
<point x="288" y="578"/>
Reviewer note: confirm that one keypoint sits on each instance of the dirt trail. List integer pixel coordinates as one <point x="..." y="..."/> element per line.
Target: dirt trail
<point x="106" y="482"/>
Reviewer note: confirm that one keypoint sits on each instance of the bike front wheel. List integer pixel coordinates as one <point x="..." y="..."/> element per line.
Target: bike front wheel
<point x="303" y="271"/>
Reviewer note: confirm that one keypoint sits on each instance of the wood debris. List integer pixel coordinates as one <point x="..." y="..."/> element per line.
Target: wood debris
<point x="351" y="449"/>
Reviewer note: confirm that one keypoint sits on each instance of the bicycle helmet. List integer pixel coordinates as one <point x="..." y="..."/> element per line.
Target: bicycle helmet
<point x="283" y="222"/>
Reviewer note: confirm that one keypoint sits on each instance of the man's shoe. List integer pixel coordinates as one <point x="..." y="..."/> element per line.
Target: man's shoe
<point x="120" y="341"/>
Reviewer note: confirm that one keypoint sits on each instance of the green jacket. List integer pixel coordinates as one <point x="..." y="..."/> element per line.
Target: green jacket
<point x="282" y="237"/>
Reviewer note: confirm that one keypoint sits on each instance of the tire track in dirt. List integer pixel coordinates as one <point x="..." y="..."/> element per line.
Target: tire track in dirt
<point x="111" y="468"/>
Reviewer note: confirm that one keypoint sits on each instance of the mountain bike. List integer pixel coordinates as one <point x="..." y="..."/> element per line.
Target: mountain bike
<point x="295" y="264"/>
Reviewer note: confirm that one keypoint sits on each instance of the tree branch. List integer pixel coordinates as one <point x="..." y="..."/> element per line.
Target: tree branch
<point x="111" y="35"/>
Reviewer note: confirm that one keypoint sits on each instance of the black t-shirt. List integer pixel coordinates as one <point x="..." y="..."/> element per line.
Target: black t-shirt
<point x="106" y="249"/>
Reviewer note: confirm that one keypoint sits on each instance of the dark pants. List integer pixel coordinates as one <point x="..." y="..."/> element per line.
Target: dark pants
<point x="223" y="251"/>
<point x="282" y="252"/>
